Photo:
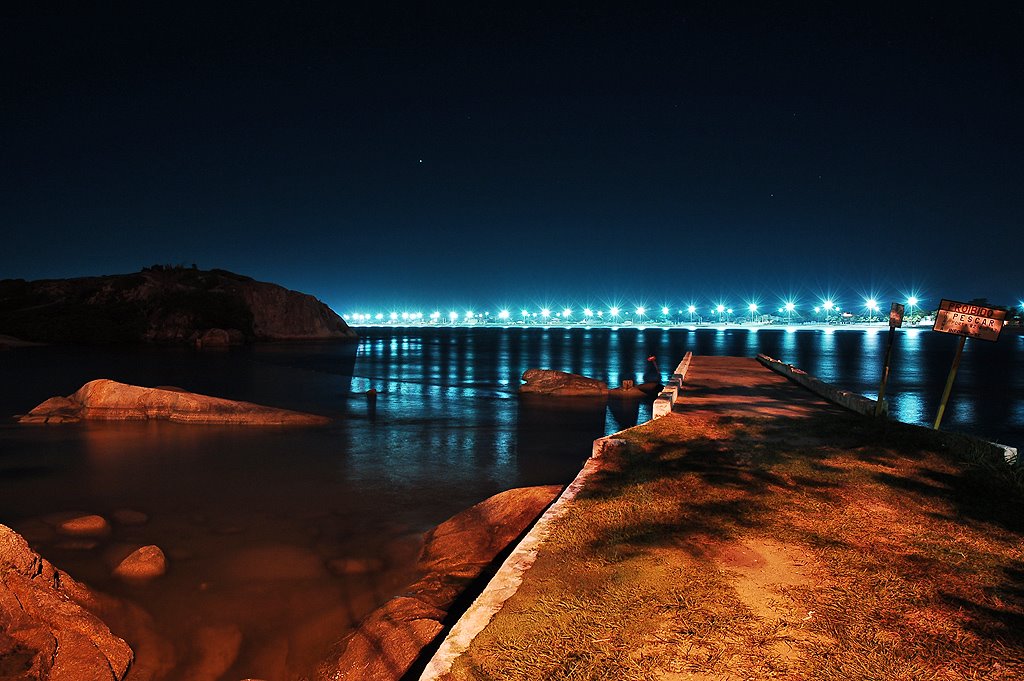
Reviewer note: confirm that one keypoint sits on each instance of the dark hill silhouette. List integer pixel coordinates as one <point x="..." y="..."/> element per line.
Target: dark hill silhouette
<point x="163" y="304"/>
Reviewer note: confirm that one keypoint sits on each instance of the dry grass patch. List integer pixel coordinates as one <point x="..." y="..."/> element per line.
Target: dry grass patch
<point x="832" y="547"/>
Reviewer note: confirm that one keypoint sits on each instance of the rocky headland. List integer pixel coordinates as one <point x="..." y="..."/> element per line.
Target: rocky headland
<point x="163" y="304"/>
<point x="106" y="400"/>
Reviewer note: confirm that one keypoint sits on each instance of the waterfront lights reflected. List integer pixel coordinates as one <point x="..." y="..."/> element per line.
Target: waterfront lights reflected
<point x="825" y="309"/>
<point x="849" y="358"/>
<point x="910" y="406"/>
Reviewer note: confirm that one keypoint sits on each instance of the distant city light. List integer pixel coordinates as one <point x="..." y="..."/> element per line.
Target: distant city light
<point x="825" y="309"/>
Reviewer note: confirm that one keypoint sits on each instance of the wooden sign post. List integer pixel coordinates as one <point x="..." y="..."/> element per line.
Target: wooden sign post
<point x="967" y="321"/>
<point x="895" y="321"/>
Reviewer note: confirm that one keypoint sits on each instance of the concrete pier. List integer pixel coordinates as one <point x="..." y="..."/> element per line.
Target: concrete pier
<point x="765" y="500"/>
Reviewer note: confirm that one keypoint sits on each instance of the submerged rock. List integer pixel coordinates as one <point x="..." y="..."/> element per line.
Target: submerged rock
<point x="561" y="384"/>
<point x="129" y="517"/>
<point x="215" y="649"/>
<point x="355" y="566"/>
<point x="388" y="642"/>
<point x="108" y="400"/>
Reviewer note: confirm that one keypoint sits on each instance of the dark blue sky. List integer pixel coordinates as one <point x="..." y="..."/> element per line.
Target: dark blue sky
<point x="474" y="155"/>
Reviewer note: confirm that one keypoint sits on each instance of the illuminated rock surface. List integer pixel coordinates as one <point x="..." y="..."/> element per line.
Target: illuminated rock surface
<point x="561" y="384"/>
<point x="85" y="526"/>
<point x="388" y="642"/>
<point x="48" y="623"/>
<point x="106" y="400"/>
<point x="142" y="564"/>
<point x="163" y="305"/>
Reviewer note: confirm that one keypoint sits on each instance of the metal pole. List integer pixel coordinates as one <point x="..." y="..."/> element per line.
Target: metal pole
<point x="885" y="372"/>
<point x="949" y="382"/>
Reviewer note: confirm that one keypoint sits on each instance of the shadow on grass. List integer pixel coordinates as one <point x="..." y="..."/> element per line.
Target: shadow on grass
<point x="738" y="476"/>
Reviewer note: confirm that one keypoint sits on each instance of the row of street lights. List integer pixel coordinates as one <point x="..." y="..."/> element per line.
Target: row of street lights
<point x="827" y="307"/>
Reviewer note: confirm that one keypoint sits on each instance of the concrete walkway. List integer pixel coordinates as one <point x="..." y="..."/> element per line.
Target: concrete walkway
<point x="758" y="531"/>
<point x="742" y="386"/>
<point x="713" y="387"/>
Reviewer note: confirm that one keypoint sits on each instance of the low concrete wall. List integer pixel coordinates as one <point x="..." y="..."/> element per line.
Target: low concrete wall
<point x="844" y="398"/>
<point x="855" y="402"/>
<point x="668" y="396"/>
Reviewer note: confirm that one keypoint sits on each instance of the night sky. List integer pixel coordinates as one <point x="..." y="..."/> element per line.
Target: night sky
<point x="486" y="155"/>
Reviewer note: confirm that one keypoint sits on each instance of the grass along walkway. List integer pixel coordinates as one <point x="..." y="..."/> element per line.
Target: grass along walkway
<point x="814" y="545"/>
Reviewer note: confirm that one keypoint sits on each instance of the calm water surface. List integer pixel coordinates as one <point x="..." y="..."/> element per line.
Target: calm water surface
<point x="266" y="529"/>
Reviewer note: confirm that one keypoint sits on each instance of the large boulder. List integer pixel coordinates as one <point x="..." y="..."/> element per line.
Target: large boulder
<point x="48" y="626"/>
<point x="456" y="552"/>
<point x="107" y="400"/>
<point x="561" y="384"/>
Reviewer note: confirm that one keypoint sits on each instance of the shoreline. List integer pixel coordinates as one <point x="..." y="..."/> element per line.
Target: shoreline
<point x="810" y="326"/>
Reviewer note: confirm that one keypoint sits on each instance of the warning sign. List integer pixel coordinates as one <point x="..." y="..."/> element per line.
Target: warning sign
<point x="896" y="311"/>
<point x="972" y="321"/>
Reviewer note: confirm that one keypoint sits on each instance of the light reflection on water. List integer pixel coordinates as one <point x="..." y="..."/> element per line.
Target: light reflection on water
<point x="445" y="431"/>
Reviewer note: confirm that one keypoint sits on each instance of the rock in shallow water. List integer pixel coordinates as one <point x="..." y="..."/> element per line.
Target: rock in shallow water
<point x="215" y="650"/>
<point x="274" y="562"/>
<point x="561" y="384"/>
<point x="355" y="566"/>
<point x="85" y="526"/>
<point x="107" y="400"/>
<point x="129" y="517"/>
<point x="142" y="565"/>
